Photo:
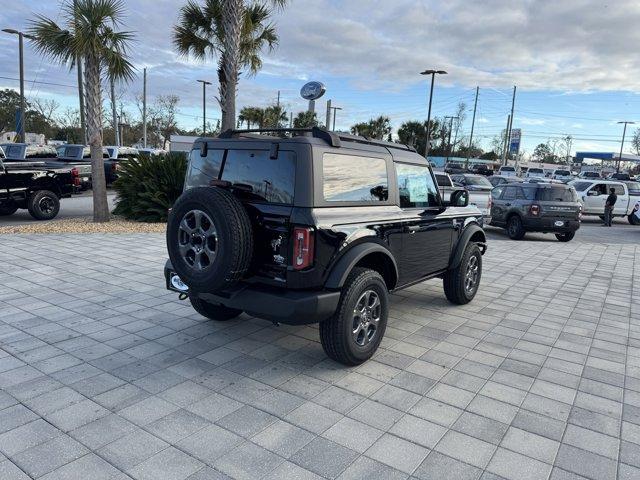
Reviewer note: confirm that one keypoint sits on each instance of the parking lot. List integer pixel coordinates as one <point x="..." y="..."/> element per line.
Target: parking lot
<point x="106" y="375"/>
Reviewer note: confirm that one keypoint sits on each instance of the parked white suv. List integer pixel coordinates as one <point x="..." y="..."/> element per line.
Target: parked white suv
<point x="593" y="196"/>
<point x="507" y="171"/>
<point x="562" y="174"/>
<point x="535" y="172"/>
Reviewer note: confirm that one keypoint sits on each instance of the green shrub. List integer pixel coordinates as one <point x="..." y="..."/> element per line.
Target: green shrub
<point x="148" y="186"/>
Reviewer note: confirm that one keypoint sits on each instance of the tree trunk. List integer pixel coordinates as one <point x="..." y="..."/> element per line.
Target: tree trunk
<point x="232" y="13"/>
<point x="93" y="106"/>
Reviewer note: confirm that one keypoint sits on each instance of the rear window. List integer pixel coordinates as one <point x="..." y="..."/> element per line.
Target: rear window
<point x="564" y="173"/>
<point x="556" y="194"/>
<point x="507" y="169"/>
<point x="348" y="178"/>
<point x="443" y="180"/>
<point x="634" y="188"/>
<point x="477" y="180"/>
<point x="535" y="170"/>
<point x="257" y="177"/>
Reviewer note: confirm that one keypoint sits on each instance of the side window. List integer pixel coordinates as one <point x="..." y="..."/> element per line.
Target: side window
<point x="496" y="192"/>
<point x="13" y="151"/>
<point x="202" y="170"/>
<point x="619" y="189"/>
<point x="257" y="177"/>
<point x="416" y="186"/>
<point x="348" y="178"/>
<point x="509" y="193"/>
<point x="528" y="193"/>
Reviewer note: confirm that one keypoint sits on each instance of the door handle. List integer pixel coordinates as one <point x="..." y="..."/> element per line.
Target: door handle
<point x="413" y="229"/>
<point x="507" y="204"/>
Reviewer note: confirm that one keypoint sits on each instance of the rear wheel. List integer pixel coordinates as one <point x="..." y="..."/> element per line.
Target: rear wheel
<point x="461" y="283"/>
<point x="354" y="332"/>
<point x="213" y="311"/>
<point x="515" y="230"/>
<point x="565" y="237"/>
<point x="6" y="210"/>
<point x="43" y="205"/>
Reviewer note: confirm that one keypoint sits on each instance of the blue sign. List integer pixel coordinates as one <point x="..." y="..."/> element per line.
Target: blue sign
<point x="514" y="141"/>
<point x="312" y="90"/>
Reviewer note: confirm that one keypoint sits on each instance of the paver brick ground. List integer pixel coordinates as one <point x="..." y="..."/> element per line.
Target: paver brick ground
<point x="106" y="375"/>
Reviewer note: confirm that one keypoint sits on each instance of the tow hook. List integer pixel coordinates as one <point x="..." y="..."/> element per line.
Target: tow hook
<point x="183" y="296"/>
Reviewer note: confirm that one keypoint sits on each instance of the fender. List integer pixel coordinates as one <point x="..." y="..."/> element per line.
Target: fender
<point x="345" y="264"/>
<point x="469" y="231"/>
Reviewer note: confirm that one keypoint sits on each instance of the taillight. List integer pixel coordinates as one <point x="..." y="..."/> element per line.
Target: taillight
<point x="490" y="203"/>
<point x="534" y="210"/>
<point x="75" y="174"/>
<point x="579" y="212"/>
<point x="302" y="247"/>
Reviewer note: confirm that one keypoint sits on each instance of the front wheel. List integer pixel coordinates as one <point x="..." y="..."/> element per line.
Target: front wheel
<point x="354" y="332"/>
<point x="461" y="283"/>
<point x="213" y="311"/>
<point x="633" y="219"/>
<point x="43" y="205"/>
<point x="565" y="237"/>
<point x="515" y="230"/>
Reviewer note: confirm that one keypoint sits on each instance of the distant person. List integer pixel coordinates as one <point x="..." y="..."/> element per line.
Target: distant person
<point x="608" y="207"/>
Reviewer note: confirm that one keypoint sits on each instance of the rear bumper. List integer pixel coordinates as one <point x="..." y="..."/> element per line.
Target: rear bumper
<point x="549" y="225"/>
<point x="291" y="307"/>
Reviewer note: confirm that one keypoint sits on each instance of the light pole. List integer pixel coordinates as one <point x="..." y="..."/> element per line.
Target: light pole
<point x="204" y="105"/>
<point x="624" y="132"/>
<point x="21" y="36"/>
<point x="334" y="116"/>
<point x="433" y="77"/>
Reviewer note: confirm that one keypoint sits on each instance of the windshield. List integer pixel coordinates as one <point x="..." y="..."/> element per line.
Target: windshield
<point x="581" y="186"/>
<point x="557" y="194"/>
<point x="477" y="180"/>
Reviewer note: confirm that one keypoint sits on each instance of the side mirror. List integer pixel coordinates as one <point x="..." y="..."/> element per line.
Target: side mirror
<point x="459" y="198"/>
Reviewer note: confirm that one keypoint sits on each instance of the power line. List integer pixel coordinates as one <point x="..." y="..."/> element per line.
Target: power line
<point x="42" y="83"/>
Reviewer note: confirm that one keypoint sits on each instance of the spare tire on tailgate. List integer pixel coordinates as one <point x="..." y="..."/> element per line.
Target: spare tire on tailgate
<point x="209" y="239"/>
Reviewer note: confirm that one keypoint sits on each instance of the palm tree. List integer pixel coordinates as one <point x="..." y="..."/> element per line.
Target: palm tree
<point x="305" y="120"/>
<point x="89" y="33"/>
<point x="378" y="128"/>
<point x="201" y="33"/>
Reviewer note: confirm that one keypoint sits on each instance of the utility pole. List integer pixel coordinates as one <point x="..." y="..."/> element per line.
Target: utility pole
<point x="506" y="141"/>
<point x="278" y="101"/>
<point x="290" y="119"/>
<point x="509" y="125"/>
<point x="328" y="117"/>
<point x="449" y="140"/>
<point x="204" y="105"/>
<point x="624" y="133"/>
<point x="21" y="123"/>
<point x="116" y="135"/>
<point x="473" y="123"/>
<point x="428" y="133"/>
<point x="144" y="108"/>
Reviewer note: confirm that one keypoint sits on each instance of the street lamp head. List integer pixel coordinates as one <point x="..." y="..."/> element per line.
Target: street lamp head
<point x="11" y="30"/>
<point x="204" y="81"/>
<point x="431" y="72"/>
<point x="630" y="123"/>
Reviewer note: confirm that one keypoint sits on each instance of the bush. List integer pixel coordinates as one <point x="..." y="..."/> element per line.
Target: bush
<point x="148" y="186"/>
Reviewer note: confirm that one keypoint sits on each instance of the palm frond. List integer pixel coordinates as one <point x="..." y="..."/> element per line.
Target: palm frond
<point x="51" y="40"/>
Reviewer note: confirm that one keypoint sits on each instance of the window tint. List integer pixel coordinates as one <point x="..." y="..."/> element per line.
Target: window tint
<point x="347" y="178"/>
<point x="581" y="186"/>
<point x="510" y="193"/>
<point x="202" y="170"/>
<point x="257" y="177"/>
<point x="557" y="194"/>
<point x="14" y="151"/>
<point x="443" y="180"/>
<point x="619" y="189"/>
<point x="528" y="193"/>
<point x="565" y="173"/>
<point x="416" y="186"/>
<point x="507" y="169"/>
<point x="496" y="192"/>
<point x="477" y="180"/>
<point x="535" y="170"/>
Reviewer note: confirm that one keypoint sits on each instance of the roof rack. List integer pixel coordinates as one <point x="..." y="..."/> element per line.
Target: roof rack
<point x="332" y="138"/>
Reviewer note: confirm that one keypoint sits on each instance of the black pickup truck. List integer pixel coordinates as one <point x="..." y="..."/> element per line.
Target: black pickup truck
<point x="37" y="189"/>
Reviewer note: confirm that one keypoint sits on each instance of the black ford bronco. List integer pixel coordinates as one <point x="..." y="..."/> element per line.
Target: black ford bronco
<point x="38" y="189"/>
<point x="304" y="226"/>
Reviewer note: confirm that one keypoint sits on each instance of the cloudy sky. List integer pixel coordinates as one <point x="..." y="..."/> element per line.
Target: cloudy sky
<point x="575" y="62"/>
